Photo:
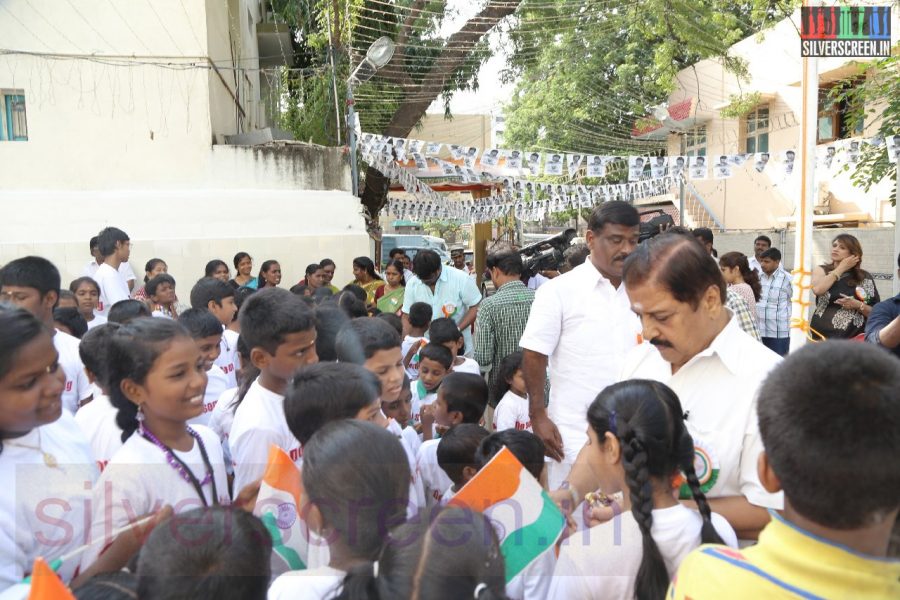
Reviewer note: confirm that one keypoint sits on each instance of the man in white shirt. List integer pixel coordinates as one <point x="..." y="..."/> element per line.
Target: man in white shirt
<point x="32" y="283"/>
<point x="581" y="325"/>
<point x="90" y="269"/>
<point x="760" y="245"/>
<point x="695" y="346"/>
<point x="115" y="247"/>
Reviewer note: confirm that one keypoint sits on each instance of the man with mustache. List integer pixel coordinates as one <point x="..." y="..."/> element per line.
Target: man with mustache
<point x="696" y="347"/>
<point x="582" y="327"/>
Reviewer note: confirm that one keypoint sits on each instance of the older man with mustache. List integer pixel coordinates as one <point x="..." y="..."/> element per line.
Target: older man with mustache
<point x="580" y="325"/>
<point x="696" y="347"/>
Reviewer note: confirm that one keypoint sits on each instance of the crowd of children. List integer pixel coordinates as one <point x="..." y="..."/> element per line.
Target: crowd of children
<point x="132" y="457"/>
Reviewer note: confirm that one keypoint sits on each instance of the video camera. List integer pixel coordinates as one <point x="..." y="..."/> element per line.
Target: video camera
<point x="546" y="254"/>
<point x="655" y="226"/>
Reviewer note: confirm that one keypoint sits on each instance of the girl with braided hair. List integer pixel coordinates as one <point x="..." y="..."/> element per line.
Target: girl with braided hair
<point x="638" y="445"/>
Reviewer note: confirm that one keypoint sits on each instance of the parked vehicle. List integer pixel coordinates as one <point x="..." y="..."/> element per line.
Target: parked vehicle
<point x="412" y="243"/>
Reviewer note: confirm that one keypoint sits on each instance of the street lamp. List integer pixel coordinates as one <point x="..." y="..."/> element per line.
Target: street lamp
<point x="378" y="55"/>
<point x="661" y="114"/>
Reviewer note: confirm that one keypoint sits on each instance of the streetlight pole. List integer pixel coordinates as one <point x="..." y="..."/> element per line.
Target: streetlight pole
<point x="681" y="182"/>
<point x="378" y="55"/>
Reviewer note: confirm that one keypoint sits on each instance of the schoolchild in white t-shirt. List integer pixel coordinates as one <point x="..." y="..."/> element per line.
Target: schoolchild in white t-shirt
<point x="434" y="366"/>
<point x="45" y="461"/>
<point x="631" y="424"/>
<point x="338" y="471"/>
<point x="446" y="333"/>
<point x="115" y="248"/>
<point x="455" y="457"/>
<point x="533" y="582"/>
<point x="218" y="298"/>
<point x="419" y="319"/>
<point x="32" y="283"/>
<point x="97" y="418"/>
<point x="156" y="381"/>
<point x="279" y="330"/>
<point x="206" y="331"/>
<point x="512" y="410"/>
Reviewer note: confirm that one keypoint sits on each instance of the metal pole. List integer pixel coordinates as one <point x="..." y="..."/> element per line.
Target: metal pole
<point x="803" y="244"/>
<point x="896" y="225"/>
<point x="351" y="136"/>
<point x="681" y="185"/>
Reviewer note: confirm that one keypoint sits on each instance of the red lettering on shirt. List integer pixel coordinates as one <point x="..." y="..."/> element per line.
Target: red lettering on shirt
<point x="100" y="305"/>
<point x="101" y="464"/>
<point x="437" y="495"/>
<point x="523" y="426"/>
<point x="208" y="408"/>
<point x="229" y="368"/>
<point x="295" y="454"/>
<point x="68" y="386"/>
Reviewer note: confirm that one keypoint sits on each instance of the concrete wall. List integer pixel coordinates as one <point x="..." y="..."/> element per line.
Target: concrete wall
<point x="753" y="200"/>
<point x="466" y="130"/>
<point x="877" y="244"/>
<point x="115" y="142"/>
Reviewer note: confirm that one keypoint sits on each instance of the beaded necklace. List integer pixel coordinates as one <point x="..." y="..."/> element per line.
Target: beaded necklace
<point x="182" y="469"/>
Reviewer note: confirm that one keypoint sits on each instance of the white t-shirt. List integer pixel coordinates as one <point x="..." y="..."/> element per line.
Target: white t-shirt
<point x="97" y="320"/>
<point x="216" y="384"/>
<point x="470" y="365"/>
<point x="586" y="327"/>
<point x="434" y="479"/>
<point x="717" y="389"/>
<point x="416" y="493"/>
<point x="139" y="481"/>
<point x="229" y="360"/>
<point x="512" y="413"/>
<point x="533" y="583"/>
<point x="97" y="420"/>
<point x="418" y="402"/>
<point x="125" y="270"/>
<point x="42" y="509"/>
<point x="77" y="387"/>
<point x="113" y="288"/>
<point x="311" y="584"/>
<point x="412" y="371"/>
<point x="603" y="561"/>
<point x="259" y="422"/>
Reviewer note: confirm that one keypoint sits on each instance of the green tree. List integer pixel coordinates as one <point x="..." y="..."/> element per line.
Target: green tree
<point x="586" y="76"/>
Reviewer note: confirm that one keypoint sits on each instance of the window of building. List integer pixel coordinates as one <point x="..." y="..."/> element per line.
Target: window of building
<point x="757" y="131"/>
<point x="695" y="141"/>
<point x="13" y="125"/>
<point x="835" y="120"/>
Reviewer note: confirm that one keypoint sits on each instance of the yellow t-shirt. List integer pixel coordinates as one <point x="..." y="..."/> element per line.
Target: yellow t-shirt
<point x="788" y="562"/>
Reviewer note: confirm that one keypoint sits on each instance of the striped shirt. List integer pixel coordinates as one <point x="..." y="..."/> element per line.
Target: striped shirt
<point x="742" y="313"/>
<point x="773" y="310"/>
<point x="500" y="324"/>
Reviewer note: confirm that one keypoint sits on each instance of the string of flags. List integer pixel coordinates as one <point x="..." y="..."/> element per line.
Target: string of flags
<point x="409" y="160"/>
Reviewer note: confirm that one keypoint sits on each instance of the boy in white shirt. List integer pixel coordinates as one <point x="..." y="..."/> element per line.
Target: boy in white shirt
<point x="90" y="269"/>
<point x="115" y="247"/>
<point x="218" y="298"/>
<point x="32" y="283"/>
<point x="206" y="331"/>
<point x="456" y="456"/>
<point x="435" y="363"/>
<point x="446" y="333"/>
<point x="279" y="329"/>
<point x="419" y="321"/>
<point x="462" y="398"/>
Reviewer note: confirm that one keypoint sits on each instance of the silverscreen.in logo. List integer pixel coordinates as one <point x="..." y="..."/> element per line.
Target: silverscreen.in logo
<point x="850" y="31"/>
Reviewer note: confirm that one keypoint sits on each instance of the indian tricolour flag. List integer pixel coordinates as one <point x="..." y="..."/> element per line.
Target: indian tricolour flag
<point x="527" y="521"/>
<point x="278" y="506"/>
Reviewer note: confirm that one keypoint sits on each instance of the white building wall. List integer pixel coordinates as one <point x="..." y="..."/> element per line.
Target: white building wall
<point x="115" y="142"/>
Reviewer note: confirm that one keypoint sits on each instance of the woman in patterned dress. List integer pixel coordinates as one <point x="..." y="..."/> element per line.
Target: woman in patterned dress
<point x="845" y="293"/>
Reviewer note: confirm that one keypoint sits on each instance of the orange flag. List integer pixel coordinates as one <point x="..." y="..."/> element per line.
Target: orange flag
<point x="46" y="585"/>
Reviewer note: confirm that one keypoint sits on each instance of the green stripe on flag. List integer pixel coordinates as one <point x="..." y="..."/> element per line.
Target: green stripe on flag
<point x="287" y="554"/>
<point x="522" y="546"/>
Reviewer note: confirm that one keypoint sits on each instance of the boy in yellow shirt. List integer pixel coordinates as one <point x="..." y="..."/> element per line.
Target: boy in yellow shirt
<point x="829" y="418"/>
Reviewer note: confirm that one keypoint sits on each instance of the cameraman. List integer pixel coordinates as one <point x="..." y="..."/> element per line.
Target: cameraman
<point x="581" y="324"/>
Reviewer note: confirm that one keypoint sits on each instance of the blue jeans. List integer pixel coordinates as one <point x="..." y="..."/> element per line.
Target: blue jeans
<point x="778" y="345"/>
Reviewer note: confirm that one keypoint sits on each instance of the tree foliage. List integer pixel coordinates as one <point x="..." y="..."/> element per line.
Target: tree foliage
<point x="585" y="80"/>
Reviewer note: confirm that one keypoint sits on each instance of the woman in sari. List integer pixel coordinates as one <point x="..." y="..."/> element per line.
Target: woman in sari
<point x="389" y="297"/>
<point x="366" y="277"/>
